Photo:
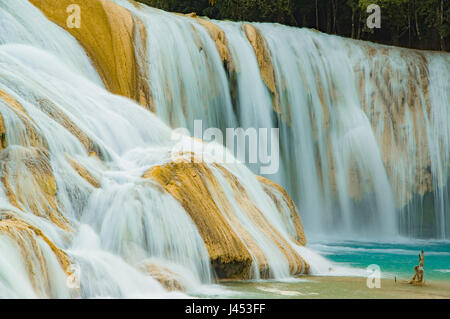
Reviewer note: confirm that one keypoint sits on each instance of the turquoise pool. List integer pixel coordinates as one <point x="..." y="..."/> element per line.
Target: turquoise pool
<point x="395" y="258"/>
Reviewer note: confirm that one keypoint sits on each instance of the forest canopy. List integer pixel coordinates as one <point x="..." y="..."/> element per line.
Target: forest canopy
<point x="421" y="24"/>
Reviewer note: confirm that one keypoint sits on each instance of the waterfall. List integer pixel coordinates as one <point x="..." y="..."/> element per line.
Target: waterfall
<point x="94" y="202"/>
<point x="335" y="144"/>
<point x="47" y="89"/>
<point x="364" y="127"/>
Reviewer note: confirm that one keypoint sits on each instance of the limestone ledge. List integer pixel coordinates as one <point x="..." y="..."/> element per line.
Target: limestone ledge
<point x="108" y="33"/>
<point x="231" y="248"/>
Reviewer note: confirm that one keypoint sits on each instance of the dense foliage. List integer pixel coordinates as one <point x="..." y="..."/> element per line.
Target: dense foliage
<point x="423" y="24"/>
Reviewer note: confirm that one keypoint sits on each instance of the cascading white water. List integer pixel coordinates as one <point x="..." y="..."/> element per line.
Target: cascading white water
<point x="57" y="112"/>
<point x="28" y="84"/>
<point x="186" y="71"/>
<point x="71" y="86"/>
<point x="439" y="141"/>
<point x="136" y="221"/>
<point x="22" y="23"/>
<point x="345" y="173"/>
<point x="335" y="153"/>
<point x="316" y="67"/>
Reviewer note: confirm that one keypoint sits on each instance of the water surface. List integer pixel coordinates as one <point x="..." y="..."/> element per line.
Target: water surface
<point x="395" y="259"/>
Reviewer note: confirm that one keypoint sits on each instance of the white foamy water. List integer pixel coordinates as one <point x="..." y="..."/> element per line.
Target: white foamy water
<point x="334" y="147"/>
<point x="128" y="222"/>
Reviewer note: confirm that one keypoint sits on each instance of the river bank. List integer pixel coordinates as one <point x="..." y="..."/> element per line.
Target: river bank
<point x="311" y="287"/>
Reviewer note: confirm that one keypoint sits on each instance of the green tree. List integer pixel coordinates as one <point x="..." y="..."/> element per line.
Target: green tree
<point x="423" y="24"/>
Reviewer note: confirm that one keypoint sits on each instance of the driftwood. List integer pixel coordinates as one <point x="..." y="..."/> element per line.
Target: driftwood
<point x="417" y="279"/>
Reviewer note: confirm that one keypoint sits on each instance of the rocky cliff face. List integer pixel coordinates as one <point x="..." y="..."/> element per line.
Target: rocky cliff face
<point x="114" y="40"/>
<point x="233" y="249"/>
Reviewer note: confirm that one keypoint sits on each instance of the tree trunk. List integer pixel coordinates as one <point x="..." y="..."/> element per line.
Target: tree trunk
<point x="317" y="16"/>
<point x="336" y="21"/>
<point x="334" y="9"/>
<point x="359" y="26"/>
<point x="329" y="17"/>
<point x="409" y="25"/>
<point x="353" y="23"/>
<point x="417" y="21"/>
<point x="442" y="24"/>
<point x="418" y="277"/>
